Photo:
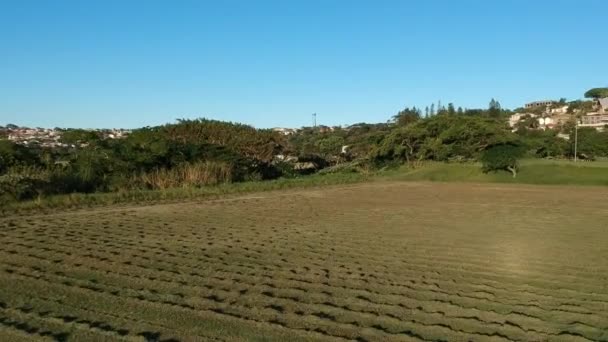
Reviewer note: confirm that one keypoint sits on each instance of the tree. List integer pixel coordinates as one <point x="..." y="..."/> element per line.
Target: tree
<point x="330" y="146"/>
<point x="451" y="110"/>
<point x="494" y="108"/>
<point x="432" y="109"/>
<point x="407" y="116"/>
<point x="596" y="93"/>
<point x="79" y="136"/>
<point x="527" y="122"/>
<point x="502" y="157"/>
<point x="591" y="143"/>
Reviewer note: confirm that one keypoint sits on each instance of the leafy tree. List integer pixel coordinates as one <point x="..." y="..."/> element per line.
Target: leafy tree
<point x="441" y="137"/>
<point x="330" y="146"/>
<point x="79" y="136"/>
<point x="580" y="106"/>
<point x="407" y="116"/>
<point x="596" y="93"/>
<point x="501" y="157"/>
<point x="527" y="122"/>
<point x="591" y="143"/>
<point x="12" y="154"/>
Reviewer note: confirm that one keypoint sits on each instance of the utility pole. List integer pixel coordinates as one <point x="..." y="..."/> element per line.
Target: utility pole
<point x="576" y="141"/>
<point x="314" y="120"/>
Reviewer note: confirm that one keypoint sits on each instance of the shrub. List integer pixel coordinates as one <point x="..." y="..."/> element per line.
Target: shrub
<point x="186" y="175"/>
<point x="23" y="183"/>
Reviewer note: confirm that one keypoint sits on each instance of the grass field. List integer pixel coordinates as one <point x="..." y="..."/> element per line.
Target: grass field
<point x="382" y="261"/>
<point x="533" y="171"/>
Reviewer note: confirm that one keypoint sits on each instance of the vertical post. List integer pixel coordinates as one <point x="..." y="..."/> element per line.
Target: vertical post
<point x="576" y="141"/>
<point x="314" y="120"/>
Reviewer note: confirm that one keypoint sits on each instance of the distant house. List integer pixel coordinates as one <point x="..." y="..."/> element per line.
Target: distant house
<point x="596" y="120"/>
<point x="560" y="110"/>
<point x="284" y="131"/>
<point x="517" y="117"/>
<point x="603" y="104"/>
<point x="536" y="104"/>
<point x="599" y="118"/>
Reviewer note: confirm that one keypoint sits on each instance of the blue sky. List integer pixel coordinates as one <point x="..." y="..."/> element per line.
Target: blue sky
<point x="133" y="63"/>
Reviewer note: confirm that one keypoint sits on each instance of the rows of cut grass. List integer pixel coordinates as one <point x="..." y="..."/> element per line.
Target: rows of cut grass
<point x="380" y="261"/>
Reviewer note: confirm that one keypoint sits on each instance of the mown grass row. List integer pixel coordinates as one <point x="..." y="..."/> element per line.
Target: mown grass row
<point x="350" y="263"/>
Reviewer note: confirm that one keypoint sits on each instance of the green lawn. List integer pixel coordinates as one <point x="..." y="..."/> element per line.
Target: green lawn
<point x="531" y="172"/>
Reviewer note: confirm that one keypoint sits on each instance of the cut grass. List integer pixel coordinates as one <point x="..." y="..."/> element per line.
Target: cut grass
<point x="382" y="261"/>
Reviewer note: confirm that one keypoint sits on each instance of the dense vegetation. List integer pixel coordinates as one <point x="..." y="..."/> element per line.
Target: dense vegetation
<point x="188" y="153"/>
<point x="197" y="153"/>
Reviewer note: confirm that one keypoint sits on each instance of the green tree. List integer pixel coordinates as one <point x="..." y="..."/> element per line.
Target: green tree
<point x="79" y="136"/>
<point x="591" y="143"/>
<point x="407" y="116"/>
<point x="494" y="109"/>
<point x="330" y="146"/>
<point x="501" y="157"/>
<point x="596" y="93"/>
<point x="451" y="109"/>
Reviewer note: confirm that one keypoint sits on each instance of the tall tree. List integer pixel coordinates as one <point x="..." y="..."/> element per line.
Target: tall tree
<point x="494" y="108"/>
<point x="451" y="110"/>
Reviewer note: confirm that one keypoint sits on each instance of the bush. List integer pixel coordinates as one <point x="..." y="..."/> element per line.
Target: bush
<point x="23" y="183"/>
<point x="186" y="175"/>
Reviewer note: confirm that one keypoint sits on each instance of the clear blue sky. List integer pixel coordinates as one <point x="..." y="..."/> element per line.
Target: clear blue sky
<point x="132" y="63"/>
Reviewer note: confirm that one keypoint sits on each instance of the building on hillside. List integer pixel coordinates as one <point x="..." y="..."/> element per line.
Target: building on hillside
<point x="537" y="104"/>
<point x="602" y="105"/>
<point x="559" y="110"/>
<point x="517" y="117"/>
<point x="546" y="123"/>
<point x="284" y="131"/>
<point x="595" y="120"/>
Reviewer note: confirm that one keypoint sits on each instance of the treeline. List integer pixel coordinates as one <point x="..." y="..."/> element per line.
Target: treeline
<point x="196" y="153"/>
<point x="187" y="153"/>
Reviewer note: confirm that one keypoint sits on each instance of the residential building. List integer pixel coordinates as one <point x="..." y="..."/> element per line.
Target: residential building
<point x="536" y="104"/>
<point x="284" y="131"/>
<point x="596" y="120"/>
<point x="517" y="117"/>
<point x="602" y="105"/>
<point x="559" y="110"/>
